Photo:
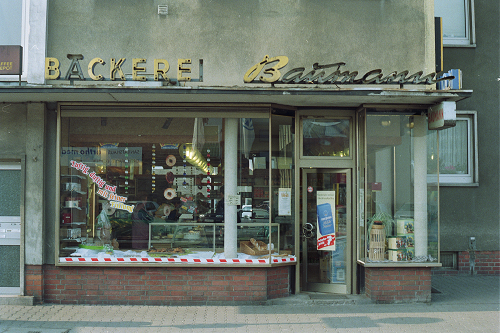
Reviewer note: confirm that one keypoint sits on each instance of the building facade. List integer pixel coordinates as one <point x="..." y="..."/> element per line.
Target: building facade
<point x="218" y="153"/>
<point x="469" y="239"/>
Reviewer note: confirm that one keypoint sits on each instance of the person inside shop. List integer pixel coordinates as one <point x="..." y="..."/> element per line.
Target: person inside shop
<point x="219" y="209"/>
<point x="175" y="212"/>
<point x="140" y="225"/>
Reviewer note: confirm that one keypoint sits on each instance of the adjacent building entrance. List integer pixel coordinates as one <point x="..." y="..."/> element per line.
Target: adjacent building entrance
<point x="10" y="228"/>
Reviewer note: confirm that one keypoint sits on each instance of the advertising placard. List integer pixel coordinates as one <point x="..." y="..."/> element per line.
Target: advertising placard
<point x="325" y="209"/>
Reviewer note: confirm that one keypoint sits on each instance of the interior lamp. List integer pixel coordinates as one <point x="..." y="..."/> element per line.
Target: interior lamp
<point x="194" y="156"/>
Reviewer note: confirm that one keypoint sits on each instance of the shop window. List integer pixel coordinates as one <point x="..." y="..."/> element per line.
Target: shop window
<point x="457" y="152"/>
<point x="154" y="187"/>
<point x="400" y="205"/>
<point x="458" y="21"/>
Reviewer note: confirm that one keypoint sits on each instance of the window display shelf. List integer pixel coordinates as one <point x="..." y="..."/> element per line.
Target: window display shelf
<point x="207" y="236"/>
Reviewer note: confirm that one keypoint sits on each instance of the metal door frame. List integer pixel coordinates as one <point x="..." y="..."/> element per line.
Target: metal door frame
<point x="324" y="287"/>
<point x="10" y="163"/>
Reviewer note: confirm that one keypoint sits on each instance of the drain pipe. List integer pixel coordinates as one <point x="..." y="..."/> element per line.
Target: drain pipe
<point x="472" y="255"/>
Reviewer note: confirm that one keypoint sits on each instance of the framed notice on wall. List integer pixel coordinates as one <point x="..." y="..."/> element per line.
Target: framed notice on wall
<point x="325" y="210"/>
<point x="285" y="202"/>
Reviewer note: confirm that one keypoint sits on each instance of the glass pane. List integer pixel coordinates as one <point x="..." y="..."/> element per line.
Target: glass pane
<point x="326" y="196"/>
<point x="283" y="180"/>
<point x="326" y="137"/>
<point x="10" y="187"/>
<point x="453" y="149"/>
<point x="10" y="22"/>
<point x="400" y="205"/>
<point x="454" y="17"/>
<point x="141" y="171"/>
<point x="155" y="184"/>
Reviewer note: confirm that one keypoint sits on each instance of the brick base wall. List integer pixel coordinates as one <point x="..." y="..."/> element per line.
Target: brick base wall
<point x="398" y="284"/>
<point x="33" y="281"/>
<point x="162" y="285"/>
<point x="485" y="263"/>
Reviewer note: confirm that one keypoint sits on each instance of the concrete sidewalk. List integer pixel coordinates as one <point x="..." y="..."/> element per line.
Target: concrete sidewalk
<point x="460" y="304"/>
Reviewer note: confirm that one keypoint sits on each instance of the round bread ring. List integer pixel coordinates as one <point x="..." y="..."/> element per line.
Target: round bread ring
<point x="169" y="193"/>
<point x="109" y="210"/>
<point x="170" y="160"/>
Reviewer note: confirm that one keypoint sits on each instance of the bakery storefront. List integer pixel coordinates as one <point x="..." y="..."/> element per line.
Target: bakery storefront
<point x="249" y="194"/>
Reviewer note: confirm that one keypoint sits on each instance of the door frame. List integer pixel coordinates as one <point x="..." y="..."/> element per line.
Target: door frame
<point x="349" y="258"/>
<point x="334" y="163"/>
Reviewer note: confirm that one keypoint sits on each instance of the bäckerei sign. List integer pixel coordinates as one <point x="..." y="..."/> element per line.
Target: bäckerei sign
<point x="331" y="74"/>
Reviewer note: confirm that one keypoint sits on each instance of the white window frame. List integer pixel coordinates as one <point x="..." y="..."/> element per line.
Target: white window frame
<point x="471" y="178"/>
<point x="24" y="44"/>
<point x="470" y="38"/>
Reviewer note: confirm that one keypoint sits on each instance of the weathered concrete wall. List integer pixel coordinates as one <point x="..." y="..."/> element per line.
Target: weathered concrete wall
<point x="22" y="133"/>
<point x="232" y="36"/>
<point x="12" y="129"/>
<point x="475" y="211"/>
<point x="34" y="195"/>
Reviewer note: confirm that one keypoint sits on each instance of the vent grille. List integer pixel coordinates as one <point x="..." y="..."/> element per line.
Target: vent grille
<point x="162" y="9"/>
<point x="449" y="259"/>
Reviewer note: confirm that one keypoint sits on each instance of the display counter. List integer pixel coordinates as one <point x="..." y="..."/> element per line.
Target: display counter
<point x="193" y="243"/>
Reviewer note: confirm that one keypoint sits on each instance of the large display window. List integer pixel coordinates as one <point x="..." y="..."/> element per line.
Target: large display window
<point x="401" y="206"/>
<point x="141" y="186"/>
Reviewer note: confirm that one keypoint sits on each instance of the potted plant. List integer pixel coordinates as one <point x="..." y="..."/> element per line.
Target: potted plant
<point x="387" y="222"/>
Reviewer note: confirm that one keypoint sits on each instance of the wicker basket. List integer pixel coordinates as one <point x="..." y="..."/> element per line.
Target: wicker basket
<point x="377" y="242"/>
<point x="248" y="248"/>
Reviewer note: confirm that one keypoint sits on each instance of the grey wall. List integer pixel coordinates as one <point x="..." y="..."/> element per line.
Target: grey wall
<point x="474" y="211"/>
<point x="22" y="134"/>
<point x="231" y="36"/>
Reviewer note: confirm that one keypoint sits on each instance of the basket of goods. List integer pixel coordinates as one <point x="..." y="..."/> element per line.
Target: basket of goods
<point x="253" y="247"/>
<point x="163" y="252"/>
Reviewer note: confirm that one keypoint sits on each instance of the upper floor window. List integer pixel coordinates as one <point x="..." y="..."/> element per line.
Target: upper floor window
<point x="458" y="21"/>
<point x="11" y="23"/>
<point x="457" y="151"/>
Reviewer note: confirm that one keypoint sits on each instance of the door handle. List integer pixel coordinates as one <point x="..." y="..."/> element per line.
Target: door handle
<point x="308" y="230"/>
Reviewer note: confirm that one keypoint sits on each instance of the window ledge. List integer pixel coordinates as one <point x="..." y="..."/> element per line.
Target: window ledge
<point x="164" y="261"/>
<point x="460" y="45"/>
<point x="459" y="185"/>
<point x="398" y="264"/>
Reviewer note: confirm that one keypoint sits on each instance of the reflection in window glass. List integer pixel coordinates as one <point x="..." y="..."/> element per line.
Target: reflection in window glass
<point x="10" y="22"/>
<point x="326" y="137"/>
<point x="454" y="17"/>
<point x="10" y="188"/>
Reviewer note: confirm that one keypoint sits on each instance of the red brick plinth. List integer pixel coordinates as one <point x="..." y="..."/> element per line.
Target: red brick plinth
<point x="33" y="281"/>
<point x="398" y="284"/>
<point x="163" y="285"/>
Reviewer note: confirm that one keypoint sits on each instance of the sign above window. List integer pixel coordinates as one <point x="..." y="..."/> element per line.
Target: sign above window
<point x="332" y="74"/>
<point x="11" y="60"/>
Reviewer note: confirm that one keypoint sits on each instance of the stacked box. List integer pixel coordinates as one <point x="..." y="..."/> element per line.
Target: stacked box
<point x="401" y="246"/>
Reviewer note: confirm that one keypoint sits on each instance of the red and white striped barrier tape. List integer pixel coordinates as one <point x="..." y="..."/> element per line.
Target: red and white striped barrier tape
<point x="176" y="260"/>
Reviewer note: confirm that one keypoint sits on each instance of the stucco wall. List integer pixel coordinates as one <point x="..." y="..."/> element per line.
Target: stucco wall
<point x="22" y="134"/>
<point x="13" y="129"/>
<point x="231" y="36"/>
<point x="474" y="211"/>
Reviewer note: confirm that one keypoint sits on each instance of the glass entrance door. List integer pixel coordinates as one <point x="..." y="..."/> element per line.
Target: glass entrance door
<point x="325" y="224"/>
<point x="10" y="228"/>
